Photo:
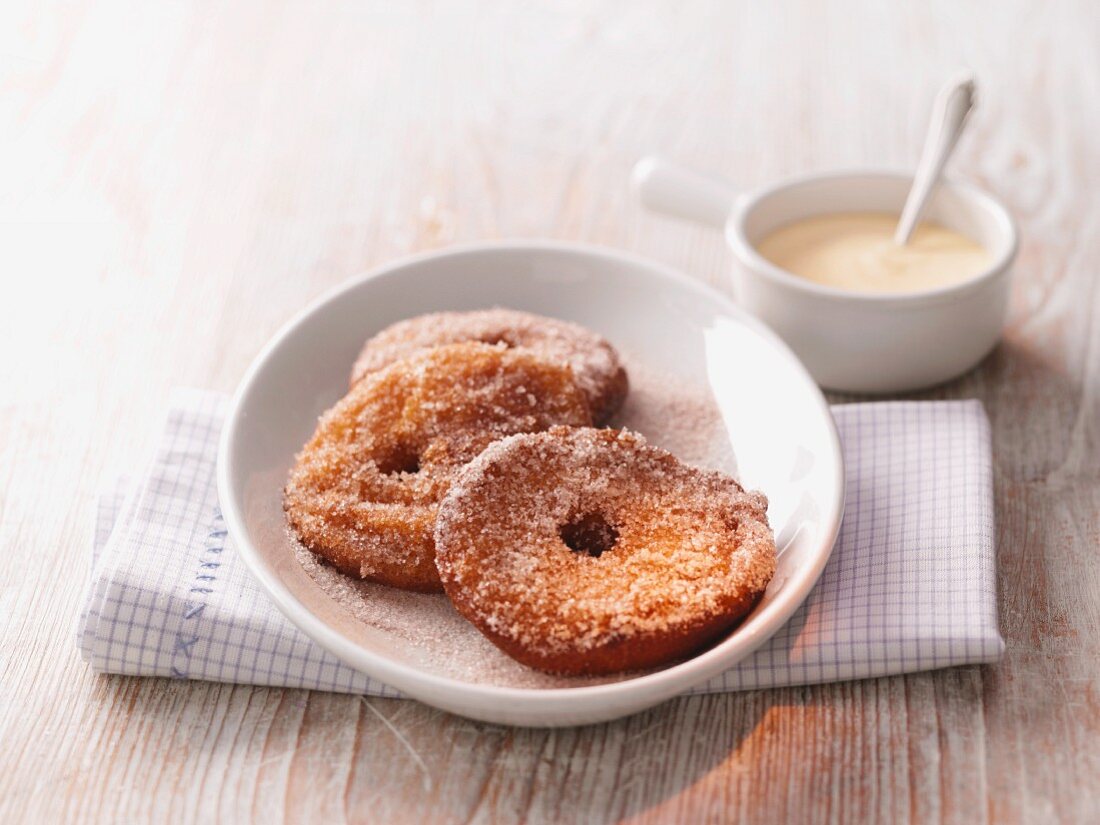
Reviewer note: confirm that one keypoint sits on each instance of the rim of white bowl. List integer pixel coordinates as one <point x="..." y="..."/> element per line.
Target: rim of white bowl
<point x="661" y="683"/>
<point x="748" y="255"/>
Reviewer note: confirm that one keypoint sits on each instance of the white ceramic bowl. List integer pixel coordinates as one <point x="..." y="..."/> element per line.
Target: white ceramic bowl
<point x="780" y="429"/>
<point x="853" y="341"/>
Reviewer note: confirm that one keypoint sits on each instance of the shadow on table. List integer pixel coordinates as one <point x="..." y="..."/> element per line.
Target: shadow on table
<point x="616" y="770"/>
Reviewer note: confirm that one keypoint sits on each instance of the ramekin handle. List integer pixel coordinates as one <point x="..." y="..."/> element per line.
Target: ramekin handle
<point x="664" y="187"/>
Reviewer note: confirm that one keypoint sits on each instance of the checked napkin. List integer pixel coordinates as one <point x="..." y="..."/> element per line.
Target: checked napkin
<point x="910" y="585"/>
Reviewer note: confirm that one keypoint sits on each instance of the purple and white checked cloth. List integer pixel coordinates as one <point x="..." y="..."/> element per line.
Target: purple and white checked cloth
<point x="910" y="585"/>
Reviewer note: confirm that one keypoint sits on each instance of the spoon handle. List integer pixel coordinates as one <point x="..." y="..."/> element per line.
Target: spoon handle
<point x="953" y="104"/>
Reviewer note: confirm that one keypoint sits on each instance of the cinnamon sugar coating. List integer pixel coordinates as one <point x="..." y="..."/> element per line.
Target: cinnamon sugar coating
<point x="365" y="489"/>
<point x="581" y="551"/>
<point x="596" y="365"/>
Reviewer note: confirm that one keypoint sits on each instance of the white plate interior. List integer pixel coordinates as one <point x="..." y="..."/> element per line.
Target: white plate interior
<point x="779" y="427"/>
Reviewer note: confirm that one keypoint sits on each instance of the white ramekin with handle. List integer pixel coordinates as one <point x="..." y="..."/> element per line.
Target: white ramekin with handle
<point x="853" y="341"/>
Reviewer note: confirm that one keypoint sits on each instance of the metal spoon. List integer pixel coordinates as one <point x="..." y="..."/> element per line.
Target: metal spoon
<point x="953" y="104"/>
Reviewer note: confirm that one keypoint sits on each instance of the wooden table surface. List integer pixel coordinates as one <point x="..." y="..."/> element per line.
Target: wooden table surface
<point x="179" y="178"/>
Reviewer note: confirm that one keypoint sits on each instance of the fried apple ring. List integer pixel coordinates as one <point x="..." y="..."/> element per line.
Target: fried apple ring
<point x="583" y="552"/>
<point x="364" y="491"/>
<point x="596" y="365"/>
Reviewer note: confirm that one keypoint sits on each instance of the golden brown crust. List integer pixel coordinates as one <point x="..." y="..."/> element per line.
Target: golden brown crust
<point x="365" y="489"/>
<point x="596" y="365"/>
<point x="583" y="551"/>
